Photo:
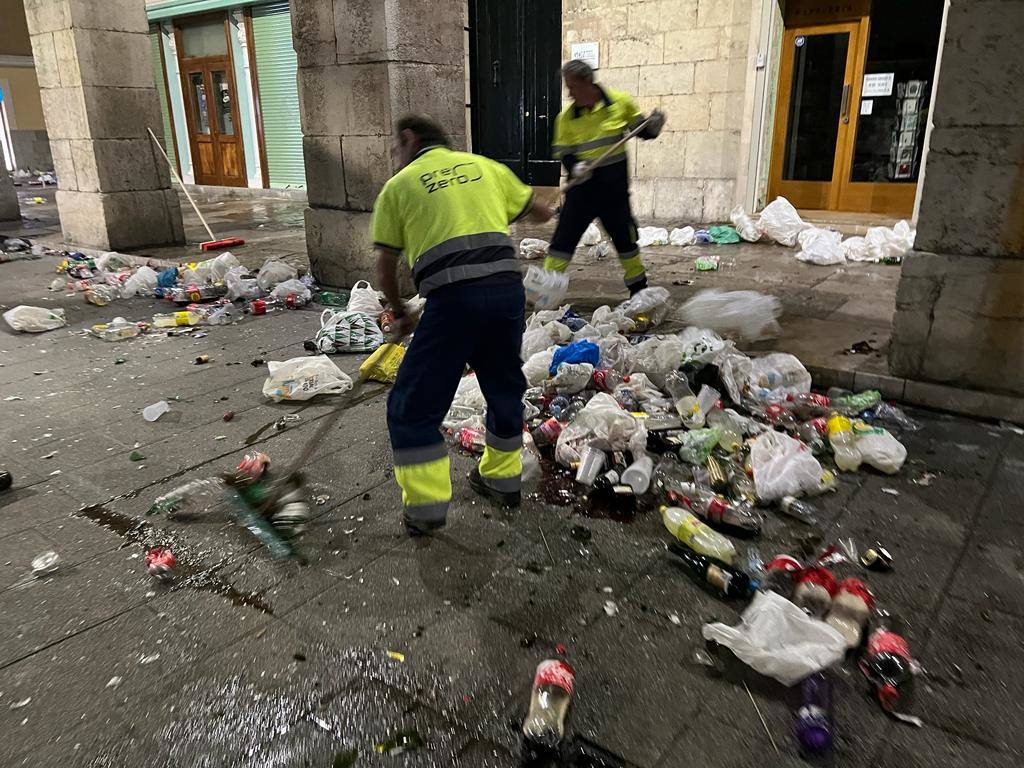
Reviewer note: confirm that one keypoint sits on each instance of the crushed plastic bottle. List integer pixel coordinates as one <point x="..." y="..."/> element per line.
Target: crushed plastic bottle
<point x="844" y="443"/>
<point x="117" y="329"/>
<point x="189" y="500"/>
<point x="174" y="319"/>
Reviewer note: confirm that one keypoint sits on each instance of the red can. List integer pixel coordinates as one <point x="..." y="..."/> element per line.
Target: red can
<point x="258" y="307"/>
<point x="254" y="463"/>
<point x="291" y="301"/>
<point x="160" y="563"/>
<point x="385" y="320"/>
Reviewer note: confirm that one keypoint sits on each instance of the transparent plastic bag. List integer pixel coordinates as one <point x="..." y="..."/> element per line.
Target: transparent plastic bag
<point x="592" y="235"/>
<point x="141" y="283"/>
<point x="821" y="246"/>
<point x="783" y="466"/>
<point x="221" y="264"/>
<point x="533" y="248"/>
<point x="111" y="261"/>
<point x="617" y="353"/>
<point x="274" y="272"/>
<point x="781" y="222"/>
<point x="571" y="378"/>
<point x="652" y="302"/>
<point x="363" y="298"/>
<point x="881" y="243"/>
<point x="700" y="345"/>
<point x="658" y="357"/>
<point x="302" y="378"/>
<point x="241" y="287"/>
<point x="746" y="315"/>
<point x="536" y="367"/>
<point x="34" y="319"/>
<point x="780" y="373"/>
<point x="603" y="424"/>
<point x="302" y="293"/>
<point x="545" y="288"/>
<point x="647" y="236"/>
<point x="609" y="321"/>
<point x="745" y="226"/>
<point x="696" y="445"/>
<point x="682" y="236"/>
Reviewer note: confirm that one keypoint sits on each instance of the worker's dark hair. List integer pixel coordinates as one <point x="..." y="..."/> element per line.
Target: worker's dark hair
<point x="579" y="69"/>
<point x="427" y="131"/>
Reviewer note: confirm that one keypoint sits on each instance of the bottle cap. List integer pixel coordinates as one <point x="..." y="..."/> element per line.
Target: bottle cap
<point x="877" y="558"/>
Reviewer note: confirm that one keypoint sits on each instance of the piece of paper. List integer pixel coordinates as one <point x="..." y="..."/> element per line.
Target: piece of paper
<point x="878" y="84"/>
<point x="588" y="52"/>
<point x="867" y="106"/>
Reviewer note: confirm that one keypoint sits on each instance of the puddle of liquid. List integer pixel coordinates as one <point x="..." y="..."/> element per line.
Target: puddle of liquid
<point x="128" y="528"/>
<point x="204" y="581"/>
<point x="557" y="486"/>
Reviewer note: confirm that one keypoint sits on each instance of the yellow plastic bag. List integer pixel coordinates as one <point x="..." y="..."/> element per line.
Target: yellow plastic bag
<point x="383" y="364"/>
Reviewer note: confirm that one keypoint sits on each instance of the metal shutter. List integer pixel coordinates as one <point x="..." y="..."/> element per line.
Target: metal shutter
<point x="276" y="67"/>
<point x="158" y="77"/>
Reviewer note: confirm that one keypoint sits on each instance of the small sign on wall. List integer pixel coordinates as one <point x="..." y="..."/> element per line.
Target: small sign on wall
<point x="588" y="52"/>
<point x="878" y="85"/>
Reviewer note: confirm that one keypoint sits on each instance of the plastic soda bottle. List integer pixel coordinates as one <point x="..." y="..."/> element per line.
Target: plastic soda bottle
<point x="814" y="718"/>
<point x="172" y="319"/>
<point x="544" y="727"/>
<point x="844" y="444"/>
<point x="729" y="581"/>
<point x="683" y="399"/>
<point x="718" y="512"/>
<point x="889" y="667"/>
<point x="688" y="528"/>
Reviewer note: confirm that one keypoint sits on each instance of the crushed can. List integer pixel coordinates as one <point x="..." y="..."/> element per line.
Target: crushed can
<point x="160" y="563"/>
<point x="254" y="464"/>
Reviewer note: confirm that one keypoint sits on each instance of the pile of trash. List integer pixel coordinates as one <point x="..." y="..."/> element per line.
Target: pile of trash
<point x="721" y="442"/>
<point x="20" y="248"/>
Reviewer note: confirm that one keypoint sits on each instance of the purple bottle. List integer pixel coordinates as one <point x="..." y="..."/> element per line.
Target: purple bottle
<point x="814" y="718"/>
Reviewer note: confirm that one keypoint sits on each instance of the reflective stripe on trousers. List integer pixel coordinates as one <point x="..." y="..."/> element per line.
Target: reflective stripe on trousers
<point x="501" y="467"/>
<point x="424" y="475"/>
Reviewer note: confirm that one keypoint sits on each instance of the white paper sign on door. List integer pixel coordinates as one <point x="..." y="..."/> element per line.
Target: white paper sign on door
<point x="878" y="85"/>
<point x="588" y="52"/>
<point x="867" y="107"/>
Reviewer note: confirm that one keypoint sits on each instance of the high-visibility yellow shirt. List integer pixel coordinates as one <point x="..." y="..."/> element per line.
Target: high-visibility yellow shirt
<point x="587" y="133"/>
<point x="448" y="212"/>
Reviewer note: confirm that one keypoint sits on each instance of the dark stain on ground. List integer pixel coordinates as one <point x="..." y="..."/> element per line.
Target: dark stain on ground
<point x="128" y="528"/>
<point x="205" y="581"/>
<point x="557" y="486"/>
<point x="255" y="436"/>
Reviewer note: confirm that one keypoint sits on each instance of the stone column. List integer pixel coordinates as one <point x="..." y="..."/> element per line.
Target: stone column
<point x="9" y="210"/>
<point x="93" y="62"/>
<point x="960" y="304"/>
<point x="362" y="64"/>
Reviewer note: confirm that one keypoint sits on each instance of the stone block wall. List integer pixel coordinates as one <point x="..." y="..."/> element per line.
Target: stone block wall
<point x="689" y="58"/>
<point x="9" y="210"/>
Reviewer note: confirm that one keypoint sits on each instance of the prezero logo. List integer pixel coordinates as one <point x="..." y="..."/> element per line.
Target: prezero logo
<point x="442" y="178"/>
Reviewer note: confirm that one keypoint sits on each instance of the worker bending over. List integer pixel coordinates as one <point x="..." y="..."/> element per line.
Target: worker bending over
<point x="448" y="213"/>
<point x="597" y="118"/>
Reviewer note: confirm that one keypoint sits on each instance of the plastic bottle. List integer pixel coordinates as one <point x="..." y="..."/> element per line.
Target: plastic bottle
<point x="553" y="683"/>
<point x="223" y="314"/>
<point x="638" y="475"/>
<point x="888" y="665"/>
<point x="717" y="512"/>
<point x="731" y="436"/>
<point x="851" y="608"/>
<point x="170" y="320"/>
<point x="683" y="399"/>
<point x="808" y="405"/>
<point x="741" y="484"/>
<point x="101" y="294"/>
<point x="814" y="718"/>
<point x="779" y="573"/>
<point x="558" y="406"/>
<point x="117" y="329"/>
<point x="607" y="379"/>
<point x="813" y="591"/>
<point x="793" y="507"/>
<point x="731" y="582"/>
<point x="849" y="404"/>
<point x="688" y="528"/>
<point x="193" y="498"/>
<point x="547" y="433"/>
<point x="530" y="458"/>
<point x="844" y="443"/>
<point x="471" y="439"/>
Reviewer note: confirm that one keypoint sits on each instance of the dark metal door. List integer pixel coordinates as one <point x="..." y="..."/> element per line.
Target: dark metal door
<point x="515" y="91"/>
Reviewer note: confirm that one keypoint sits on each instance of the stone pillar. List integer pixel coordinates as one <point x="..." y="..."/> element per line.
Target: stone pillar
<point x="9" y="210"/>
<point x="960" y="304"/>
<point x="362" y="64"/>
<point x="93" y="62"/>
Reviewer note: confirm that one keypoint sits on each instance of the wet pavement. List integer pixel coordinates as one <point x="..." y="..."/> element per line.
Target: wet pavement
<point x="379" y="640"/>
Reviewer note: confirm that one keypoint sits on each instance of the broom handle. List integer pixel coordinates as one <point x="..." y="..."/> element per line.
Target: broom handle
<point x="181" y="184"/>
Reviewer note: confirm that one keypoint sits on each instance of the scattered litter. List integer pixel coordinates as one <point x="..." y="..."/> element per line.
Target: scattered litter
<point x="136" y="456"/>
<point x="55" y="473"/>
<point x="924" y="480"/>
<point x="50" y="455"/>
<point x="396" y="655"/>
<point x="228" y="415"/>
<point x="321" y="500"/>
<point x="891" y="491"/>
<point x="674" y="618"/>
<point x="44" y="564"/>
<point x="113" y="682"/>
<point x="648" y="236"/>
<point x="533" y="248"/>
<point x="610" y="608"/>
<point x="155" y="411"/>
<point x="34" y="319"/>
<point x="12" y="398"/>
<point x="20" y="704"/>
<point x="148" y="659"/>
<point x="682" y="236"/>
<point x="202" y="360"/>
<point x="706" y="263"/>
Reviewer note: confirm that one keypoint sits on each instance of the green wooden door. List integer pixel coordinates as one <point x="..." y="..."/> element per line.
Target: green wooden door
<point x="161" y="89"/>
<point x="276" y="67"/>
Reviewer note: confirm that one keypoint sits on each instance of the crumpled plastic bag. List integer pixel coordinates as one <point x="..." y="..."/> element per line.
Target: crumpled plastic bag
<point x="571" y="378"/>
<point x="616" y="353"/>
<point x="644" y="391"/>
<point x="533" y="248"/>
<point x="34" y="319"/>
<point x="576" y="352"/>
<point x="302" y="378"/>
<point x="781" y="222"/>
<point x="281" y="290"/>
<point x="746" y="315"/>
<point x="537" y="365"/>
<point x="603" y="424"/>
<point x="647" y="236"/>
<point x="545" y="288"/>
<point x="587" y="332"/>
<point x="682" y="236"/>
<point x="779" y="373"/>
<point x="880" y="243"/>
<point x="592" y="235"/>
<point x="240" y="287"/>
<point x="700" y="345"/>
<point x="879" y="449"/>
<point x="469" y="395"/>
<point x="221" y="264"/>
<point x="141" y="283"/>
<point x="111" y="261"/>
<point x="658" y="357"/>
<point x="609" y="321"/>
<point x="651" y="301"/>
<point x="745" y="226"/>
<point x="783" y="466"/>
<point x="364" y="299"/>
<point x="274" y="272"/>
<point x="821" y="246"/>
<point x="777" y="639"/>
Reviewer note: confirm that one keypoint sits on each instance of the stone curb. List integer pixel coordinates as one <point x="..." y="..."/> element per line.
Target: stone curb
<point x="209" y="193"/>
<point x="963" y="402"/>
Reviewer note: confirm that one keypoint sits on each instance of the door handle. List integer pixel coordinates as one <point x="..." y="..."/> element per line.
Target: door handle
<point x="495" y="69"/>
<point x="845" y="113"/>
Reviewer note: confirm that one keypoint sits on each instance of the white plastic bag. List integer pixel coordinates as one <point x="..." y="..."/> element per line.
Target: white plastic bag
<point x="141" y="283"/>
<point x="652" y="302"/>
<point x="364" y="299"/>
<point x="220" y="265"/>
<point x="616" y="353"/>
<point x="274" y="272"/>
<point x="533" y="248"/>
<point x="536" y="367"/>
<point x="347" y="331"/>
<point x="34" y="319"/>
<point x="545" y="288"/>
<point x="700" y="345"/>
<point x="652" y="236"/>
<point x="780" y="373"/>
<point x="746" y="315"/>
<point x="281" y="290"/>
<point x="241" y="287"/>
<point x="609" y="321"/>
<point x="880" y="449"/>
<point x="734" y="369"/>
<point x="304" y="377"/>
<point x="777" y="639"/>
<point x="658" y="357"/>
<point x="880" y="243"/>
<point x="683" y="236"/>
<point x="111" y="261"/>
<point x="745" y="226"/>
<point x="782" y="466"/>
<point x="821" y="246"/>
<point x="603" y="424"/>
<point x="592" y="236"/>
<point x="781" y="222"/>
<point x="571" y="378"/>
<point x="469" y="395"/>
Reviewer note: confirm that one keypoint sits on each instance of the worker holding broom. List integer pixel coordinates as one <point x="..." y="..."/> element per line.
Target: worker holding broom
<point x="448" y="213"/>
<point x="586" y="134"/>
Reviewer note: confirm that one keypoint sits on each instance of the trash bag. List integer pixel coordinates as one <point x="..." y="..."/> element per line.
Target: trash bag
<point x="782" y="466"/>
<point x="220" y="265"/>
<point x="537" y="365"/>
<point x="200" y="274"/>
<point x="533" y="248"/>
<point x="616" y="353"/>
<point x="747" y="315"/>
<point x="534" y="340"/>
<point x="571" y="378"/>
<point x="780" y="374"/>
<point x="682" y="237"/>
<point x="644" y="391"/>
<point x="700" y="345"/>
<point x="586" y="333"/>
<point x="658" y="357"/>
<point x="545" y="288"/>
<point x="600" y="251"/>
<point x="652" y="236"/>
<point x="746" y="227"/>
<point x="141" y="283"/>
<point x="240" y="287"/>
<point x="468" y="395"/>
<point x="777" y="639"/>
<point x="111" y="261"/>
<point x="302" y="378"/>
<point x="879" y="448"/>
<point x="609" y="321"/>
<point x="881" y="243"/>
<point x="34" y="319"/>
<point x="282" y="290"/>
<point x="821" y="246"/>
<point x="724" y="235"/>
<point x="603" y="424"/>
<point x="363" y="298"/>
<point x="781" y="222"/>
<point x="652" y="302"/>
<point x="167" y="278"/>
<point x="274" y="272"/>
<point x="576" y="352"/>
<point x="346" y="331"/>
<point x="592" y="236"/>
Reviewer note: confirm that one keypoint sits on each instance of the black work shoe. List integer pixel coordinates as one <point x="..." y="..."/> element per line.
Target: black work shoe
<point x="5" y="480"/>
<point x="417" y="528"/>
<point x="504" y="498"/>
<point x="637" y="287"/>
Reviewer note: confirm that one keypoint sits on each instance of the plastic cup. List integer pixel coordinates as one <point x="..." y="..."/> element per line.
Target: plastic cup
<point x="155" y="411"/>
<point x="591" y="462"/>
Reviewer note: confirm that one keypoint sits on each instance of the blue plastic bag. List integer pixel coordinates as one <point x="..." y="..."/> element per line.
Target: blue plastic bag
<point x="168" y="278"/>
<point x="577" y="352"/>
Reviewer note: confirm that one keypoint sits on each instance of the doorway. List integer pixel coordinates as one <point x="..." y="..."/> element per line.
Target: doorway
<point x="853" y="98"/>
<point x="211" y="109"/>
<point x="515" y="84"/>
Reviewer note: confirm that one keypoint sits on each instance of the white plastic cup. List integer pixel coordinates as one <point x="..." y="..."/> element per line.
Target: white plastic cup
<point x="591" y="462"/>
<point x="638" y="475"/>
<point x="155" y="411"/>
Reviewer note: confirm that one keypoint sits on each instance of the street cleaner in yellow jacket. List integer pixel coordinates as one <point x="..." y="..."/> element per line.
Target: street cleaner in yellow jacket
<point x="597" y="119"/>
<point x="447" y="213"/>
